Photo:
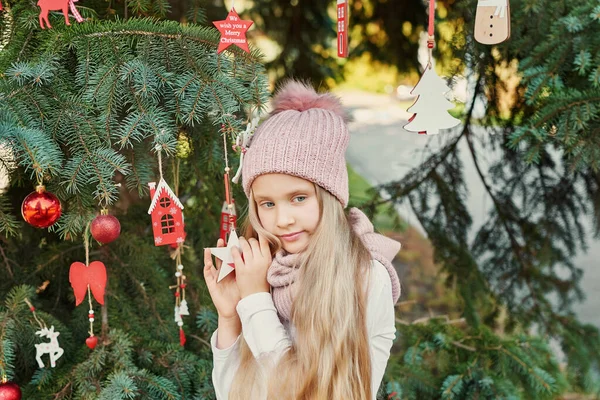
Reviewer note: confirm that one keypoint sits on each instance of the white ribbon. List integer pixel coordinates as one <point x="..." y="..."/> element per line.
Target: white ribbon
<point x="501" y="6"/>
<point x="242" y="141"/>
<point x="76" y="14"/>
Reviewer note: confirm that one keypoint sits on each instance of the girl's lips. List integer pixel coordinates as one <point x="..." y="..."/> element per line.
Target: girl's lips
<point x="291" y="237"/>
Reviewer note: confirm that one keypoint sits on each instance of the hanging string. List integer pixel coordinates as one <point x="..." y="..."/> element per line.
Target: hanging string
<point x="32" y="309"/>
<point x="176" y="176"/>
<point x="228" y="197"/>
<point x="430" y="32"/>
<point x="86" y="243"/>
<point x="225" y="152"/>
<point x="159" y="161"/>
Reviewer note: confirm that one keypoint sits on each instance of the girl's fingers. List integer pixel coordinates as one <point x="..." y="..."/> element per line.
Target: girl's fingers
<point x="246" y="250"/>
<point x="237" y="258"/>
<point x="255" y="246"/>
<point x="209" y="271"/>
<point x="220" y="243"/>
<point x="208" y="264"/>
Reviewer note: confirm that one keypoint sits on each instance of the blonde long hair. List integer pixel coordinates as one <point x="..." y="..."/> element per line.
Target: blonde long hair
<point x="329" y="358"/>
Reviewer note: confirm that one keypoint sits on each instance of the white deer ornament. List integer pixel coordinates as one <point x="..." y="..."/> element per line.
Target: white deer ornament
<point x="52" y="348"/>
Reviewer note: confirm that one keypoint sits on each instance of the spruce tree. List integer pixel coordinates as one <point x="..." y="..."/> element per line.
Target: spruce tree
<point x="83" y="109"/>
<point x="536" y="153"/>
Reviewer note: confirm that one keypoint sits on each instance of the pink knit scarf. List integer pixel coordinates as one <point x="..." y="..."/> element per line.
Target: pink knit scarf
<point x="284" y="269"/>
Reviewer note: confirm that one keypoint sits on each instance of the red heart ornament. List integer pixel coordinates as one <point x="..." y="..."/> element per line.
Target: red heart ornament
<point x="91" y="342"/>
<point x="81" y="276"/>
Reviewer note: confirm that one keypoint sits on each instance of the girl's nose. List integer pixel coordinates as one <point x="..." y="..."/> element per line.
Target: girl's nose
<point x="284" y="218"/>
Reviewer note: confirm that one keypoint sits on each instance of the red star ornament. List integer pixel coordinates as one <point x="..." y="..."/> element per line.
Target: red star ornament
<point x="233" y="31"/>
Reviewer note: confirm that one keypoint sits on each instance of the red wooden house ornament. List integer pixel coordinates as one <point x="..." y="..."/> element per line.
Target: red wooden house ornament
<point x="167" y="215"/>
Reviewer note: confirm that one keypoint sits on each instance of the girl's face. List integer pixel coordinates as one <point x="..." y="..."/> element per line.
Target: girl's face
<point x="287" y="208"/>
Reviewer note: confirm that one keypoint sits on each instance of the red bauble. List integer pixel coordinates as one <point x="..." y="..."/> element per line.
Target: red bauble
<point x="91" y="342"/>
<point x="105" y="228"/>
<point x="10" y="391"/>
<point x="40" y="208"/>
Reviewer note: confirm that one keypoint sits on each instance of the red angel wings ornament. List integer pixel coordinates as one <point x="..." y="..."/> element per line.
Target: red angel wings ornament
<point x="93" y="275"/>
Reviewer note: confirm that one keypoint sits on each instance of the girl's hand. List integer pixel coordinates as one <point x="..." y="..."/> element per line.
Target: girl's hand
<point x="251" y="271"/>
<point x="225" y="294"/>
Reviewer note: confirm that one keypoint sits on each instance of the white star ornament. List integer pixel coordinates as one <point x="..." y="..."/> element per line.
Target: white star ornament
<point x="224" y="254"/>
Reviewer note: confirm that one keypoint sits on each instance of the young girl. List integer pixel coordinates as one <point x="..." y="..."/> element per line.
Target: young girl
<point x="309" y="313"/>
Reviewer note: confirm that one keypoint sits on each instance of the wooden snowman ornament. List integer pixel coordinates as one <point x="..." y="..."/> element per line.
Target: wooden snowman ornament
<point x="492" y="21"/>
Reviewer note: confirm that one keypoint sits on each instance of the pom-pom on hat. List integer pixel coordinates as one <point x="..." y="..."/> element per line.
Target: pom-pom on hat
<point x="305" y="136"/>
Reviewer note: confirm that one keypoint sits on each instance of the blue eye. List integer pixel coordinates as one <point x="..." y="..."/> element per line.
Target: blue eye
<point x="268" y="204"/>
<point x="300" y="199"/>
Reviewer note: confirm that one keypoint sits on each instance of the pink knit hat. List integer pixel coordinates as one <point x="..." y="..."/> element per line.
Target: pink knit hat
<point x="306" y="136"/>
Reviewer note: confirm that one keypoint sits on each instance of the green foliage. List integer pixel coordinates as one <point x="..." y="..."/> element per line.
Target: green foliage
<point x="101" y="96"/>
<point x="561" y="75"/>
<point x="83" y="110"/>
<point x="446" y="361"/>
<point x="535" y="153"/>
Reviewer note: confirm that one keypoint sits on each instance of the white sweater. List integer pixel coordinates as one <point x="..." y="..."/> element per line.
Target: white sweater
<point x="265" y="334"/>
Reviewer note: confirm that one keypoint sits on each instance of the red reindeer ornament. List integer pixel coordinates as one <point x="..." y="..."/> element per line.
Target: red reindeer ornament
<point x="57" y="5"/>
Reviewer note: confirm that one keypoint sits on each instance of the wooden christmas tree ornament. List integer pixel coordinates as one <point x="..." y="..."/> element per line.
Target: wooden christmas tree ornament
<point x="167" y="216"/>
<point x="492" y="21"/>
<point x="430" y="109"/>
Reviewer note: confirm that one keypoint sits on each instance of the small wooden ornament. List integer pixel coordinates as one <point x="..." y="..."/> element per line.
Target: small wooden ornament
<point x="167" y="216"/>
<point x="233" y="31"/>
<point x="430" y="109"/>
<point x="492" y="21"/>
<point x="57" y="5"/>
<point x="93" y="276"/>
<point x="228" y="220"/>
<point x="52" y="348"/>
<point x="91" y="342"/>
<point x="224" y="254"/>
<point x="342" y="28"/>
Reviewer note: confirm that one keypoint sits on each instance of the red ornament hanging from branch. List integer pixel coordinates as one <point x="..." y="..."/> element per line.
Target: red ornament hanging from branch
<point x="40" y="208"/>
<point x="90" y="278"/>
<point x="57" y="5"/>
<point x="233" y="31"/>
<point x="166" y="211"/>
<point x="342" y="28"/>
<point x="228" y="219"/>
<point x="105" y="228"/>
<point x="9" y="390"/>
<point x="167" y="216"/>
